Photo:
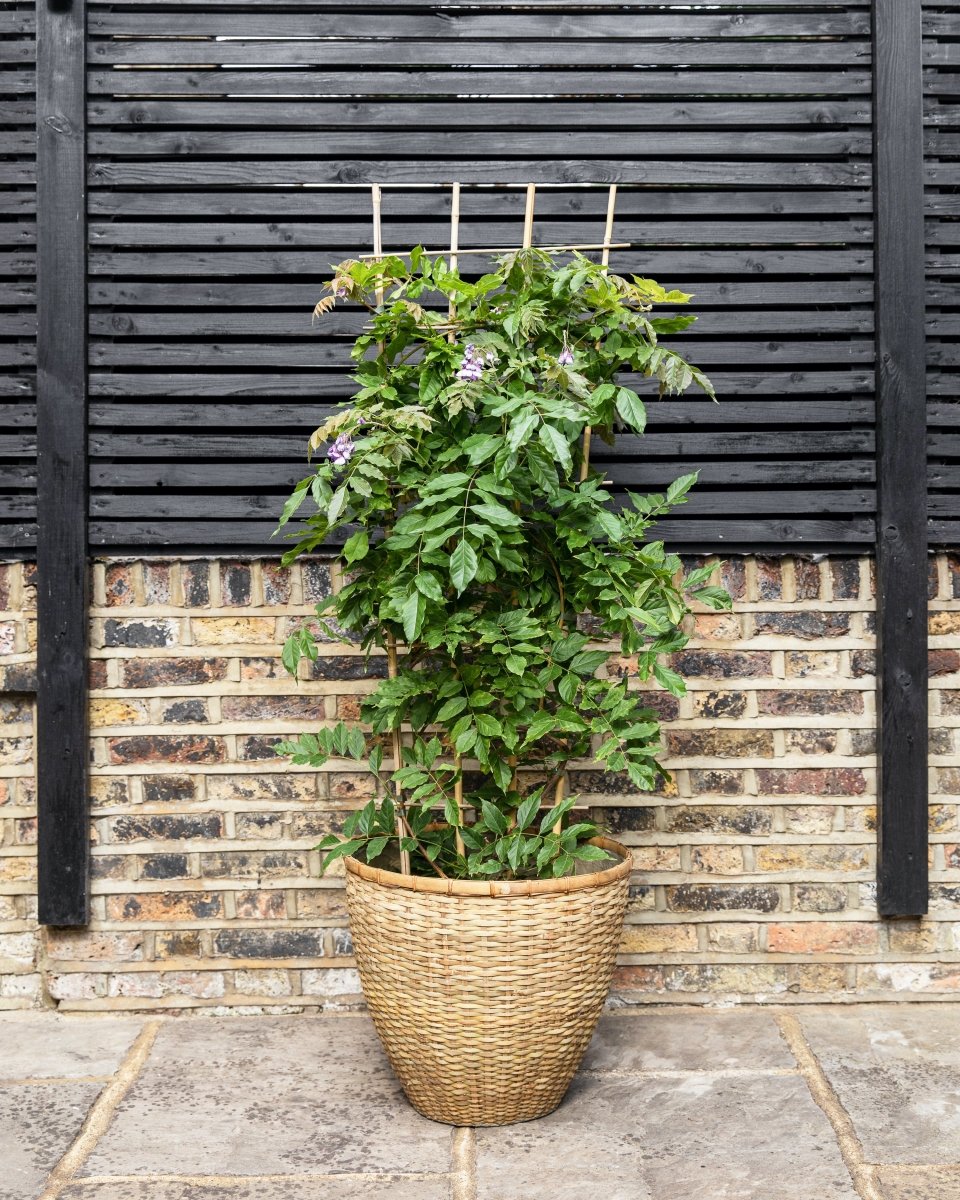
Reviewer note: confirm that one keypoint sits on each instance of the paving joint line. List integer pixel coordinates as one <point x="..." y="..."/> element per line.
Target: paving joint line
<point x="101" y="1111"/>
<point x="821" y="1090"/>
<point x="463" y="1164"/>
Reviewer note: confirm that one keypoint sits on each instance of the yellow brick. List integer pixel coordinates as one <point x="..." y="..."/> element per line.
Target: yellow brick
<point x="732" y="938"/>
<point x="227" y="631"/>
<point x="815" y="858"/>
<point x="18" y="870"/>
<point x="117" y="712"/>
<point x="718" y="627"/>
<point x="656" y="858"/>
<point x="658" y="939"/>
<point x="720" y="860"/>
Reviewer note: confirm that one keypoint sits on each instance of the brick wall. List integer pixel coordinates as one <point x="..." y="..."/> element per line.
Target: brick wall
<point x="754" y="869"/>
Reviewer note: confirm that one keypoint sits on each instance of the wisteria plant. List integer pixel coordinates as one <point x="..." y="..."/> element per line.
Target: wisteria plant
<point x="482" y="542"/>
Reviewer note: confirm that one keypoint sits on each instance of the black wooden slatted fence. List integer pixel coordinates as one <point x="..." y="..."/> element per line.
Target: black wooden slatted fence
<point x="215" y="132"/>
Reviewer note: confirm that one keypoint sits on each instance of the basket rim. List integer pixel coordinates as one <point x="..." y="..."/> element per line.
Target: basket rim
<point x="502" y="887"/>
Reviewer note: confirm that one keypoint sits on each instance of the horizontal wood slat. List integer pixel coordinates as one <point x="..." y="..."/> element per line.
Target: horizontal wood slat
<point x="572" y="81"/>
<point x="505" y="23"/>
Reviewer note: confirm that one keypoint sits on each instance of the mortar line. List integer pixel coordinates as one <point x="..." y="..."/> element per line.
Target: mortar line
<point x="463" y="1164"/>
<point x="824" y="1096"/>
<point x="101" y="1111"/>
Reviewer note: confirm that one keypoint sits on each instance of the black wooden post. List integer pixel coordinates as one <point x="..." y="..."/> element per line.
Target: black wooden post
<point x="902" y="875"/>
<point x="62" y="744"/>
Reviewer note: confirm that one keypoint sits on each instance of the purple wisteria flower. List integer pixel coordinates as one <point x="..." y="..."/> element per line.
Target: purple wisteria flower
<point x="341" y="451"/>
<point x="565" y="357"/>
<point x="474" y="362"/>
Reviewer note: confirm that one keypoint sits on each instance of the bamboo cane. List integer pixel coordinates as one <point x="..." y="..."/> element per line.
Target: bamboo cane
<point x="588" y="431"/>
<point x="451" y="336"/>
<point x="528" y="216"/>
<point x="604" y="262"/>
<point x="375" y="196"/>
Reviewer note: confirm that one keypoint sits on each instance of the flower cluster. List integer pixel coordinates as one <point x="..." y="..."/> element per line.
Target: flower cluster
<point x="474" y="361"/>
<point x="565" y="357"/>
<point x="341" y="450"/>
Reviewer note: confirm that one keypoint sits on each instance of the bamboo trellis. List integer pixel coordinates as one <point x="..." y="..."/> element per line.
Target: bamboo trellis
<point x="455" y="253"/>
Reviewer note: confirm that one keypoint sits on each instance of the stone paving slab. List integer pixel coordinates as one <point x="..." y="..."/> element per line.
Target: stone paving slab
<point x="896" y="1070"/>
<point x="68" y="1045"/>
<point x="755" y="1137"/>
<point x="37" y="1124"/>
<point x="268" y="1095"/>
<point x="667" y="1039"/>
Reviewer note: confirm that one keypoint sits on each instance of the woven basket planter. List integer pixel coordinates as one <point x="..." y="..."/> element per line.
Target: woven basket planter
<point x="485" y="995"/>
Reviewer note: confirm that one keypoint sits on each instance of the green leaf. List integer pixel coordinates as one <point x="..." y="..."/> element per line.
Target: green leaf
<point x="554" y="441"/>
<point x="567" y="687"/>
<point x="714" y="597"/>
<point x="539" y="727"/>
<point x="413" y="611"/>
<point x="515" y="664"/>
<point x="375" y="847"/>
<point x="669" y="679"/>
<point x="562" y="865"/>
<point x="556" y="814"/>
<point x="337" y="505"/>
<point x="588" y="661"/>
<point x="466" y="741"/>
<point x="340" y="851"/>
<point x="590" y="853"/>
<point x="631" y="410"/>
<point x="452" y="708"/>
<point x="502" y="773"/>
<point x="565" y="650"/>
<point x="496" y="514"/>
<point x="429" y="585"/>
<point x="493" y="817"/>
<point x="609" y="524"/>
<point x="528" y="810"/>
<point x="488" y="726"/>
<point x="357" y="743"/>
<point x="356" y="547"/>
<point x="679" y="488"/>
<point x="294" y="501"/>
<point x="480" y="447"/>
<point x="463" y="566"/>
<point x="520" y="429"/>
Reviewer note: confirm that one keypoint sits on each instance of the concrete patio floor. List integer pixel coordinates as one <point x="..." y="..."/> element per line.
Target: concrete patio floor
<point x="807" y="1103"/>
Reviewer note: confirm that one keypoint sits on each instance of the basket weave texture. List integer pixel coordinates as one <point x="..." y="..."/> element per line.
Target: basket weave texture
<point x="485" y="995"/>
